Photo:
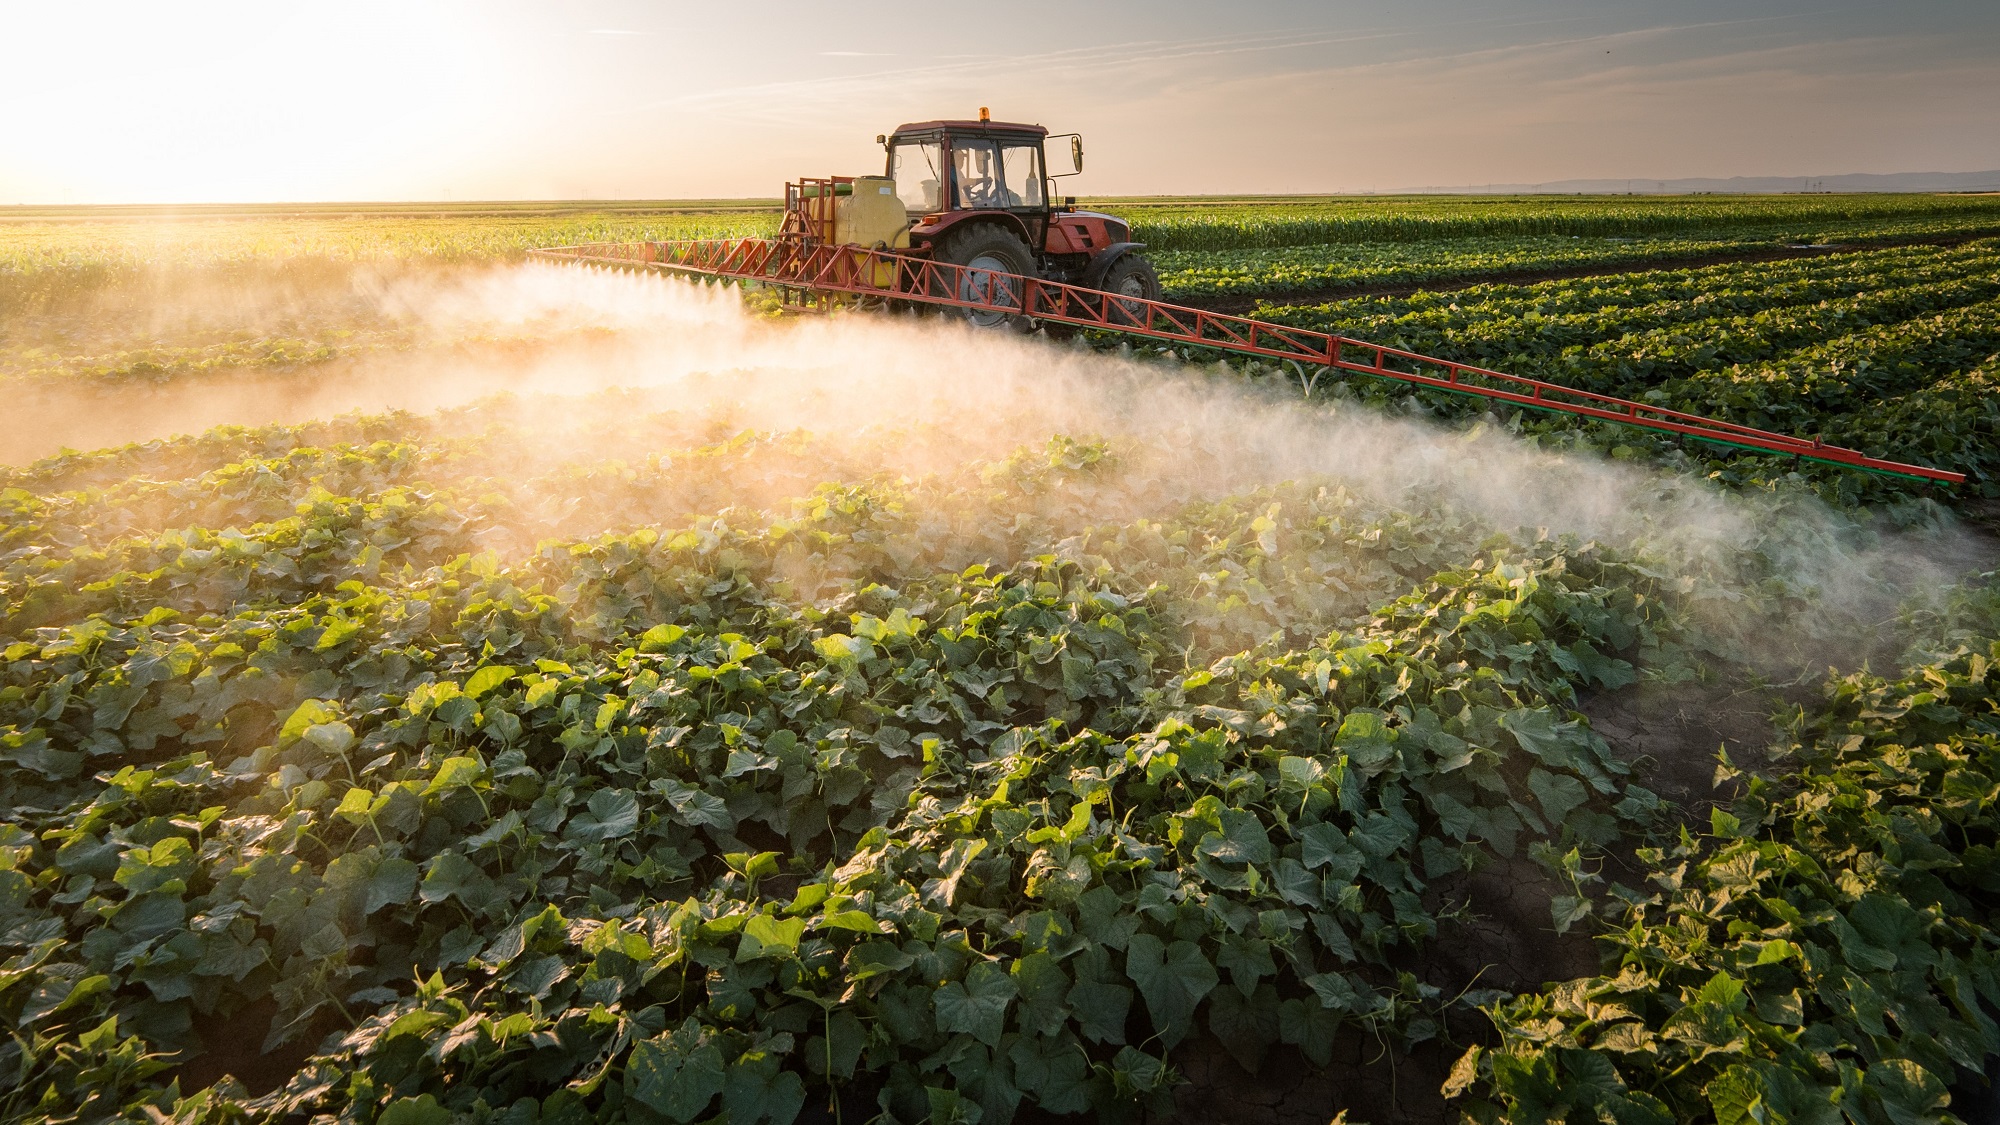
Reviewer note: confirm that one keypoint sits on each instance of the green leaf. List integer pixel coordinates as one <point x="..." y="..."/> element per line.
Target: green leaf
<point x="1173" y="979"/>
<point x="392" y="883"/>
<point x="1243" y="839"/>
<point x="1099" y="1003"/>
<point x="1910" y="1094"/>
<point x="1054" y="1071"/>
<point x="1335" y="991"/>
<point x="1104" y="919"/>
<point x="1558" y="793"/>
<point x="486" y="679"/>
<point x="675" y="1074"/>
<point x="978" y="1006"/>
<point x="338" y="632"/>
<point x="841" y="649"/>
<point x="859" y="921"/>
<point x="1325" y="845"/>
<point x="1367" y="741"/>
<point x="875" y="958"/>
<point x="766" y="936"/>
<point x="1043" y="988"/>
<point x="303" y="717"/>
<point x="333" y="738"/>
<point x="610" y="814"/>
<point x="660" y="637"/>
<point x="1310" y="1027"/>
<point x="757" y="1090"/>
<point x="1247" y="961"/>
<point x="421" y="1110"/>
<point x="166" y="864"/>
<point x="455" y="773"/>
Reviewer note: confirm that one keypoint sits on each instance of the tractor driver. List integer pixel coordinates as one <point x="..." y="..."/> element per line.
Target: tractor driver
<point x="977" y="165"/>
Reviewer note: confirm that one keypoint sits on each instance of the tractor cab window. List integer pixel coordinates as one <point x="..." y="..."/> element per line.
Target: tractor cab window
<point x="916" y="167"/>
<point x="1022" y="164"/>
<point x="991" y="175"/>
<point x="976" y="173"/>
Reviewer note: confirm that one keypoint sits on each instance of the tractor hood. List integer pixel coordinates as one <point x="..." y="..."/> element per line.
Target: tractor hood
<point x="1117" y="228"/>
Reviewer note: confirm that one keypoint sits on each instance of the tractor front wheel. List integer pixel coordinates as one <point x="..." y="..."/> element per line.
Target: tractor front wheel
<point x="1129" y="276"/>
<point x="987" y="252"/>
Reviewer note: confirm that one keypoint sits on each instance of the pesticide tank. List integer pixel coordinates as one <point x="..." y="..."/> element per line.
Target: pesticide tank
<point x="872" y="216"/>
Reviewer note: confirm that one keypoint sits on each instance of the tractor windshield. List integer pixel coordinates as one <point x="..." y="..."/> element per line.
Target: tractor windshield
<point x="993" y="175"/>
<point x="919" y="184"/>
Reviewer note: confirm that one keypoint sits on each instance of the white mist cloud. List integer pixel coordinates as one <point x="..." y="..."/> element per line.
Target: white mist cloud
<point x="926" y="397"/>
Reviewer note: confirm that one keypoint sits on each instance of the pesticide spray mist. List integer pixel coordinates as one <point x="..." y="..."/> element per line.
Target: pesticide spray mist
<point x="915" y="398"/>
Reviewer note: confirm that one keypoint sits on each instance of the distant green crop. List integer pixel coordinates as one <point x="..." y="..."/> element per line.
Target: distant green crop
<point x="1430" y="219"/>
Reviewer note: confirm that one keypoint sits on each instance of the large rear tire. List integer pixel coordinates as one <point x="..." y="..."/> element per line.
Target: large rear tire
<point x="1129" y="276"/>
<point x="987" y="250"/>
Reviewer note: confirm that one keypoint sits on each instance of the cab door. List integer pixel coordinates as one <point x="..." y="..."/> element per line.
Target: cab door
<point x="1001" y="174"/>
<point x="1027" y="187"/>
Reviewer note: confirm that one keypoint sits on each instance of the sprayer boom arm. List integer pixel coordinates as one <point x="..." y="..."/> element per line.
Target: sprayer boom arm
<point x="811" y="273"/>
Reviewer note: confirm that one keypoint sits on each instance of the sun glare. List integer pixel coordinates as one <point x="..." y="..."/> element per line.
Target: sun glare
<point x="231" y="101"/>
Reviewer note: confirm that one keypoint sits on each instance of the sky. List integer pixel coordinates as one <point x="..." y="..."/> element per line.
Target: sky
<point x="121" y="101"/>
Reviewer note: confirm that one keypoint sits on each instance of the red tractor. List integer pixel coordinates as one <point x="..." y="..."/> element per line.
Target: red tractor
<point x="979" y="194"/>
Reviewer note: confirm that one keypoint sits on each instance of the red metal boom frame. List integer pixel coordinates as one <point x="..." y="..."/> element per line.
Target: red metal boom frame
<point x="809" y="270"/>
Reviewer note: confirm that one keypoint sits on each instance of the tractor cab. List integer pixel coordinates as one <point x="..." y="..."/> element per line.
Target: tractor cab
<point x="980" y="193"/>
<point x="945" y="167"/>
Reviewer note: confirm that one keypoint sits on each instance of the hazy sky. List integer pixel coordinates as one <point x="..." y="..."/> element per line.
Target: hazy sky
<point x="490" y="99"/>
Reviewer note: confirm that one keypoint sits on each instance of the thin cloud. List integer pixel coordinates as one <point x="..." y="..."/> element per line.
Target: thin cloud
<point x="614" y="31"/>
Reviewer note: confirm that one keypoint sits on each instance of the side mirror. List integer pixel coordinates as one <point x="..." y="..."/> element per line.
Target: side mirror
<point x="1076" y="152"/>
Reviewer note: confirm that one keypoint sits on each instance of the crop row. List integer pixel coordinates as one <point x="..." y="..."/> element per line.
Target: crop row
<point x="1638" y="346"/>
<point x="1832" y="274"/>
<point x="1194" y="275"/>
<point x="1901" y="368"/>
<point x="1430" y="221"/>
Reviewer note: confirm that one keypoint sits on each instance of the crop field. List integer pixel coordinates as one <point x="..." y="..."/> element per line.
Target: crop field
<point x="443" y="689"/>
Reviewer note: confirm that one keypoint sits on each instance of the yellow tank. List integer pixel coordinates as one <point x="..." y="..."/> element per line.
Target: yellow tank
<point x="873" y="217"/>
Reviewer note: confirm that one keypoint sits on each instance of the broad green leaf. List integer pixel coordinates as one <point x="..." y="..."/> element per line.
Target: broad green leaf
<point x="305" y="716"/>
<point x="1558" y="793"/>
<point x="421" y="1110"/>
<point x="660" y="637"/>
<point x="392" y="883"/>
<point x="978" y="1005"/>
<point x="1043" y="988"/>
<point x="757" y="1090"/>
<point x="455" y="773"/>
<point x="1172" y="979"/>
<point x="1243" y="839"/>
<point x="859" y="921"/>
<point x="487" y="679"/>
<point x="332" y="738"/>
<point x="770" y="937"/>
<point x="610" y="814"/>
<point x="676" y="1074"/>
<point x="1054" y="1071"/>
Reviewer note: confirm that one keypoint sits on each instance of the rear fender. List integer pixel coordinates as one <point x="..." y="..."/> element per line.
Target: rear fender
<point x="928" y="235"/>
<point x="1102" y="261"/>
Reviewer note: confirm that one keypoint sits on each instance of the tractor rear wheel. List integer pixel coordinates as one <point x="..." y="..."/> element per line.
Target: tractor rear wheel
<point x="1129" y="276"/>
<point x="985" y="251"/>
